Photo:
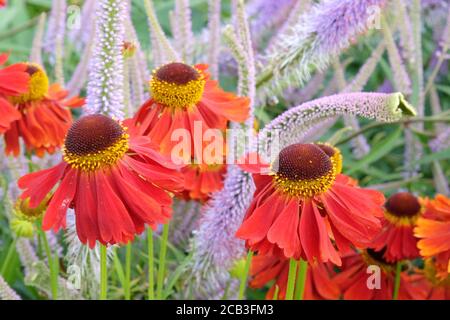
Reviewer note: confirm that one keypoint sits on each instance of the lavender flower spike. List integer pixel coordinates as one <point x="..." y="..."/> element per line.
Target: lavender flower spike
<point x="6" y="293"/>
<point x="105" y="88"/>
<point x="319" y="35"/>
<point x="215" y="245"/>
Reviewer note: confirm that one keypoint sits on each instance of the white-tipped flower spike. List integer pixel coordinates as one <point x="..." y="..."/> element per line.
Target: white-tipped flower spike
<point x="164" y="50"/>
<point x="214" y="244"/>
<point x="105" y="87"/>
<point x="83" y="37"/>
<point x="54" y="38"/>
<point x="378" y="106"/>
<point x="402" y="82"/>
<point x="184" y="38"/>
<point x="319" y="35"/>
<point x="405" y="28"/>
<point x="36" y="47"/>
<point x="214" y="36"/>
<point x="82" y="261"/>
<point x="360" y="147"/>
<point x="80" y="34"/>
<point x="6" y="293"/>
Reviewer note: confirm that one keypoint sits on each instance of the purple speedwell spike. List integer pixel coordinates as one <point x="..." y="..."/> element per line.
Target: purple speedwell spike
<point x="105" y="87"/>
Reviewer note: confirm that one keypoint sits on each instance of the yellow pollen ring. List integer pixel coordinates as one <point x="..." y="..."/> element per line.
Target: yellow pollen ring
<point x="336" y="159"/>
<point x="388" y="268"/>
<point x="306" y="188"/>
<point x="100" y="159"/>
<point x="37" y="87"/>
<point x="177" y="95"/>
<point x="405" y="221"/>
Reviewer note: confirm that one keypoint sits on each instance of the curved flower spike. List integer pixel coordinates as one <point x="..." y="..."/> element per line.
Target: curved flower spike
<point x="216" y="249"/>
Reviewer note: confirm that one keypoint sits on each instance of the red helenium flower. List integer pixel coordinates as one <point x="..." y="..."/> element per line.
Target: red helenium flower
<point x="401" y="213"/>
<point x="354" y="279"/>
<point x="200" y="181"/>
<point x="115" y="183"/>
<point x="13" y="82"/>
<point x="182" y="95"/>
<point x="318" y="286"/>
<point x="306" y="208"/>
<point x="434" y="231"/>
<point x="44" y="115"/>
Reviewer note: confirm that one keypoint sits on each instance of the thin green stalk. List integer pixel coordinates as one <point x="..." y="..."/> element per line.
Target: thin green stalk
<point x="127" y="282"/>
<point x="398" y="271"/>
<point x="277" y="291"/>
<point x="103" y="273"/>
<point x="443" y="117"/>
<point x="291" y="279"/>
<point x="301" y="279"/>
<point x="162" y="262"/>
<point x="151" y="265"/>
<point x="53" y="265"/>
<point x="244" y="276"/>
<point x="9" y="256"/>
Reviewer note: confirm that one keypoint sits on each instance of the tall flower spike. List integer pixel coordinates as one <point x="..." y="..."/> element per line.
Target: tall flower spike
<point x="6" y="293"/>
<point x="54" y="38"/>
<point x="215" y="247"/>
<point x="319" y="35"/>
<point x="105" y="88"/>
<point x="359" y="144"/>
<point x="81" y="258"/>
<point x="402" y="82"/>
<point x="85" y="38"/>
<point x="214" y="36"/>
<point x="164" y="48"/>
<point x="82" y="35"/>
<point x="184" y="38"/>
<point x="36" y="48"/>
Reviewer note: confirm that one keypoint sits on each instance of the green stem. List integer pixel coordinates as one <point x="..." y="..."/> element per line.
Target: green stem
<point x="301" y="279"/>
<point x="162" y="262"/>
<point x="9" y="256"/>
<point x="244" y="276"/>
<point x="398" y="271"/>
<point x="443" y="117"/>
<point x="127" y="284"/>
<point x="291" y="279"/>
<point x="53" y="265"/>
<point x="103" y="273"/>
<point x="151" y="265"/>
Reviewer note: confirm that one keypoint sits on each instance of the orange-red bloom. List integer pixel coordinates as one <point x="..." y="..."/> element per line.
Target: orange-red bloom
<point x="184" y="97"/>
<point x="306" y="208"/>
<point x="318" y="285"/>
<point x="13" y="82"/>
<point x="401" y="213"/>
<point x="434" y="231"/>
<point x="44" y="115"/>
<point x="200" y="181"/>
<point x="115" y="183"/>
<point x="368" y="276"/>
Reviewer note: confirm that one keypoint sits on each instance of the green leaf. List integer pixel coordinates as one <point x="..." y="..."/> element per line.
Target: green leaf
<point x="118" y="268"/>
<point x="378" y="151"/>
<point x="176" y="275"/>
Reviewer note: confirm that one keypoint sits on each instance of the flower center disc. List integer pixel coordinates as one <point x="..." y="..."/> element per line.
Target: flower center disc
<point x="95" y="141"/>
<point x="373" y="257"/>
<point x="402" y="208"/>
<point x="177" y="85"/>
<point x="304" y="170"/>
<point x="334" y="153"/>
<point x="37" y="85"/>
